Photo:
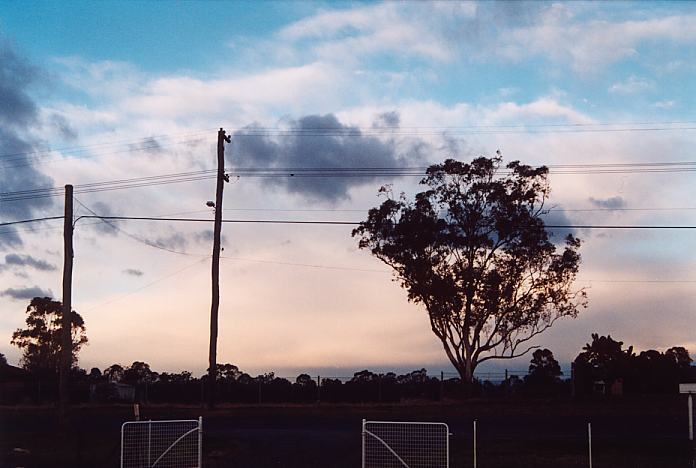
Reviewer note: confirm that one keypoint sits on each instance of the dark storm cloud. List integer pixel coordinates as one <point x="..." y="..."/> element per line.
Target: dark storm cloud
<point x="319" y="141"/>
<point x="28" y="261"/>
<point x="63" y="127"/>
<point x="206" y="237"/>
<point x="26" y="293"/>
<point x="18" y="113"/>
<point x="133" y="272"/>
<point x="176" y="241"/>
<point x="387" y="119"/>
<point x="148" y="145"/>
<point x="109" y="226"/>
<point x="611" y="203"/>
<point x="558" y="217"/>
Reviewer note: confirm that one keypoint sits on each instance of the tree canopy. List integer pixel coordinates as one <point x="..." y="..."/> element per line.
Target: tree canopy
<point x="40" y="340"/>
<point x="474" y="251"/>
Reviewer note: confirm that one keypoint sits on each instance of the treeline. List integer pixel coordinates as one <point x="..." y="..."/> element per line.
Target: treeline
<point x="606" y="367"/>
<point x="235" y="386"/>
<point x="603" y="367"/>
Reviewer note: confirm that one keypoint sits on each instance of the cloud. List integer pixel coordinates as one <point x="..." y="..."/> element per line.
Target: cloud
<point x="26" y="293"/>
<point x="611" y="203"/>
<point x="669" y="104"/>
<point x="176" y="241"/>
<point x="28" y="261"/>
<point x="63" y="127"/>
<point x="587" y="40"/>
<point x="318" y="141"/>
<point x="18" y="113"/>
<point x="403" y="30"/>
<point x="558" y="217"/>
<point x="149" y="145"/>
<point x="387" y="120"/>
<point x="133" y="272"/>
<point x="632" y="85"/>
<point x="109" y="227"/>
<point x="206" y="237"/>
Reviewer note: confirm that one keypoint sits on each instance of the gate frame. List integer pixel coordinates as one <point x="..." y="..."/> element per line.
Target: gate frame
<point x="421" y="423"/>
<point x="198" y="428"/>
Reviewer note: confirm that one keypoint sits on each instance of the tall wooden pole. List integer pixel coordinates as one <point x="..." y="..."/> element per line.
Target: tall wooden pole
<point x="66" y="325"/>
<point x="215" y="304"/>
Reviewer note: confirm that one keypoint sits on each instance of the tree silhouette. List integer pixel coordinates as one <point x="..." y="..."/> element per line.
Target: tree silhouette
<point x="473" y="249"/>
<point x="114" y="373"/>
<point x="227" y="372"/>
<point x="604" y="359"/>
<point x="139" y="372"/>
<point x="3" y="360"/>
<point x="40" y="341"/>
<point x="680" y="355"/>
<point x="544" y="373"/>
<point x="544" y="365"/>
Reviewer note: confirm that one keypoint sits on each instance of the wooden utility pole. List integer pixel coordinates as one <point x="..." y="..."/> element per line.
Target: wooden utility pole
<point x="66" y="335"/>
<point x="221" y="178"/>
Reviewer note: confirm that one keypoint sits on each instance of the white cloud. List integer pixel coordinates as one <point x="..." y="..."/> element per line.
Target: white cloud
<point x="590" y="44"/>
<point x="632" y="85"/>
<point x="669" y="104"/>
<point x="398" y="29"/>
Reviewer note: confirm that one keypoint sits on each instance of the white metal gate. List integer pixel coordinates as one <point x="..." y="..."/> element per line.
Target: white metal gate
<point x="390" y="444"/>
<point x="162" y="444"/>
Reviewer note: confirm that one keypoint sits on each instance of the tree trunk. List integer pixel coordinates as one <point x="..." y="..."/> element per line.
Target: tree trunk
<point x="467" y="376"/>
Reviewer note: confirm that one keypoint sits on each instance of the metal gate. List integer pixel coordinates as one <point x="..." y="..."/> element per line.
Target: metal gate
<point x="387" y="444"/>
<point x="162" y="444"/>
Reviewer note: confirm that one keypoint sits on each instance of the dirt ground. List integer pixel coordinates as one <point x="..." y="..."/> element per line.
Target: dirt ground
<point x="636" y="433"/>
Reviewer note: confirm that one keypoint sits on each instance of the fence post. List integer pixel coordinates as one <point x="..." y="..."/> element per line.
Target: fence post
<point x="149" y="440"/>
<point x="474" y="443"/>
<point x="379" y="389"/>
<point x="363" y="445"/>
<point x="200" y="441"/>
<point x="589" y="442"/>
<point x="318" y="388"/>
<point x="202" y="392"/>
<point x="442" y="385"/>
<point x="690" y="404"/>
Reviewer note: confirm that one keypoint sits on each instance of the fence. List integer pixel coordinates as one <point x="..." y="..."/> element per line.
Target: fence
<point x="387" y="444"/>
<point x="162" y="444"/>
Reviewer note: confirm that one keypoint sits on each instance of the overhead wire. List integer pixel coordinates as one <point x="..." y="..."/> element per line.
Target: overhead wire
<point x="338" y="172"/>
<point x="158" y="280"/>
<point x="331" y="222"/>
<point x="635" y="125"/>
<point x="332" y="267"/>
<point x="19" y="159"/>
<point x="133" y="236"/>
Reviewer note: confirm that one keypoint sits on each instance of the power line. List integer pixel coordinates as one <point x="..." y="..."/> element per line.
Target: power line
<point x="34" y="220"/>
<point x="351" y="131"/>
<point x="162" y="278"/>
<point x="334" y="222"/>
<point x="340" y="172"/>
<point x="306" y="265"/>
<point x="133" y="236"/>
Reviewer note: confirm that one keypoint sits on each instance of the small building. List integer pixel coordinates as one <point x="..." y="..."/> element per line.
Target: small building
<point x="112" y="391"/>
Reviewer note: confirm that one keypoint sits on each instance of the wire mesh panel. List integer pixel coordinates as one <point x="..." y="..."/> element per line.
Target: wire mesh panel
<point x="405" y="445"/>
<point x="161" y="444"/>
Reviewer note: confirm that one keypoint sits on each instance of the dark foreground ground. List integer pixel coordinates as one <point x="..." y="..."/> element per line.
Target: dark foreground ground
<point x="636" y="433"/>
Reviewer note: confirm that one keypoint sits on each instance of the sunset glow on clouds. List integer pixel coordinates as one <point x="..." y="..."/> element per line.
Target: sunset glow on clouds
<point x="140" y="90"/>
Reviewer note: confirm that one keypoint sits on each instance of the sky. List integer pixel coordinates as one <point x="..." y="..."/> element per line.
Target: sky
<point x="102" y="91"/>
